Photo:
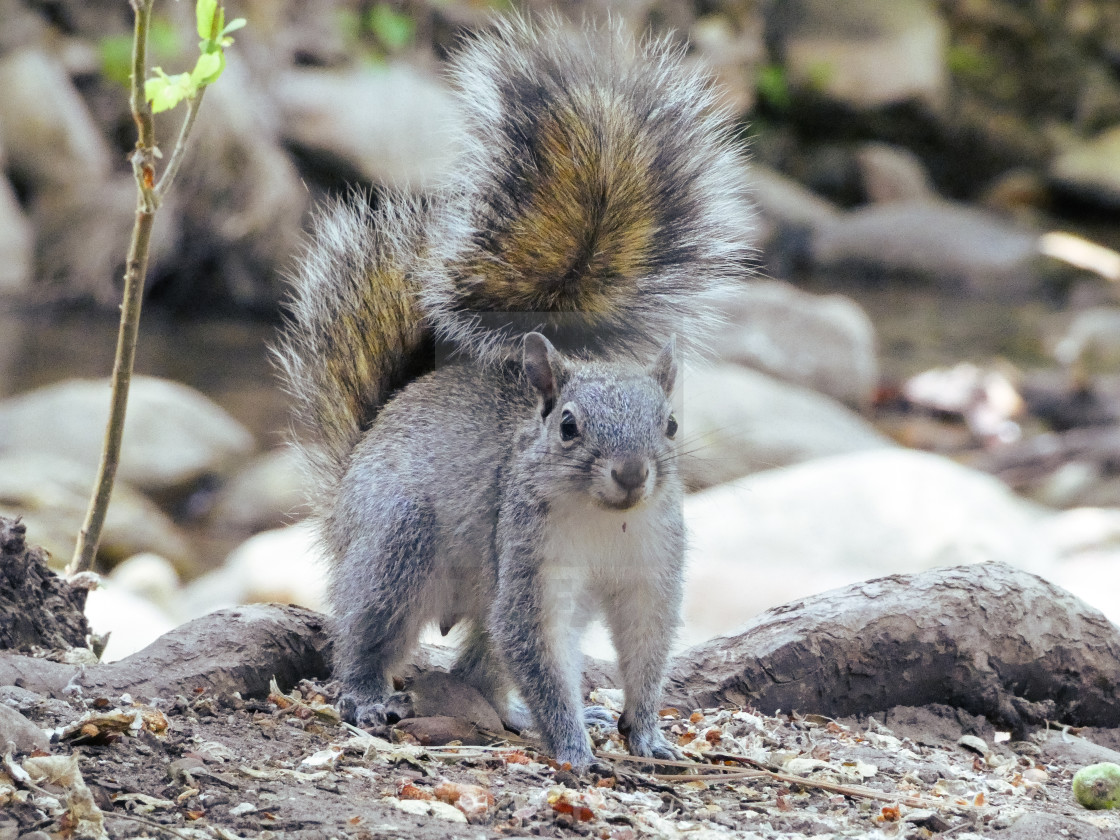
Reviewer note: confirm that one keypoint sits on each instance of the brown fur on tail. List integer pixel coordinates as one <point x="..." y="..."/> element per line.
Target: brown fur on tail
<point x="354" y="332"/>
<point x="600" y="180"/>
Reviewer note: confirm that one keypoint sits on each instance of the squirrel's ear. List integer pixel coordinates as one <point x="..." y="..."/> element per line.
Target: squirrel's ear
<point x="540" y="361"/>
<point x="664" y="368"/>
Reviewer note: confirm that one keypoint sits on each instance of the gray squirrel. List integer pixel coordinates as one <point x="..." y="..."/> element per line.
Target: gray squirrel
<point x="598" y="205"/>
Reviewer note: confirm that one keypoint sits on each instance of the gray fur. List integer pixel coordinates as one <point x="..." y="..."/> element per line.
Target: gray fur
<point x="519" y="490"/>
<point x="469" y="518"/>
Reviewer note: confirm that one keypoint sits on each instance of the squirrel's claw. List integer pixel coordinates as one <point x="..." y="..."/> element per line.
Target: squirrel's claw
<point x="371" y="716"/>
<point x="651" y="744"/>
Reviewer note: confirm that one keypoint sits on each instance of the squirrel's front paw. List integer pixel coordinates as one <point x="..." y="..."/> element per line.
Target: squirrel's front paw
<point x="580" y="758"/>
<point x="647" y="741"/>
<point x="653" y="746"/>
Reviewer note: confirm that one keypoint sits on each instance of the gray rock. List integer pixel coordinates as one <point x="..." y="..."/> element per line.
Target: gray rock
<point x="267" y="493"/>
<point x="737" y="421"/>
<point x="389" y="125"/>
<point x="866" y="53"/>
<point x="82" y="237"/>
<point x="173" y="434"/>
<point x="17" y="729"/>
<point x="1091" y="170"/>
<point x="1038" y="826"/>
<point x="1092" y="337"/>
<point x="844" y="519"/>
<point x="436" y="693"/>
<point x="785" y="202"/>
<point x="131" y="620"/>
<point x="51" y="494"/>
<point x="935" y="726"/>
<point x="285" y="566"/>
<point x="50" y="137"/>
<point x="789" y="214"/>
<point x="825" y="343"/>
<point x="16" y="242"/>
<point x="1070" y="749"/>
<point x="22" y="26"/>
<point x="892" y="173"/>
<point x="952" y="246"/>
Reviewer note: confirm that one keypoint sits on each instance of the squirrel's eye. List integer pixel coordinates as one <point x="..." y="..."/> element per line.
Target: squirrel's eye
<point x="671" y="426"/>
<point x="569" y="429"/>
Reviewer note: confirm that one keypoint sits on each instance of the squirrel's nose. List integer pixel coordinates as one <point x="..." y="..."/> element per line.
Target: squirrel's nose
<point x="631" y="473"/>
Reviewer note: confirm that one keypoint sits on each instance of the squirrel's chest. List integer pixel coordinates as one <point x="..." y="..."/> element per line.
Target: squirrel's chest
<point x="601" y="544"/>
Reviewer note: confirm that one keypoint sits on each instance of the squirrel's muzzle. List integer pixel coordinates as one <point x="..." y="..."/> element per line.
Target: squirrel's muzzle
<point x="630" y="473"/>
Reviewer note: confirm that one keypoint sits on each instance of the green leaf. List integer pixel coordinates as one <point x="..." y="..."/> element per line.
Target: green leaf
<point x="164" y="92"/>
<point x="208" y="68"/>
<point x="204" y="12"/>
<point x="392" y="28"/>
<point x="234" y="25"/>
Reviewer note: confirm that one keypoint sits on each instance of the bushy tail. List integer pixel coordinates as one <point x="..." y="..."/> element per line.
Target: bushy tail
<point x="599" y="195"/>
<point x="354" y="332"/>
<point x="601" y="189"/>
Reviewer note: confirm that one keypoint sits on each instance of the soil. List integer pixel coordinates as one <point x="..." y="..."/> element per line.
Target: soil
<point x="220" y="766"/>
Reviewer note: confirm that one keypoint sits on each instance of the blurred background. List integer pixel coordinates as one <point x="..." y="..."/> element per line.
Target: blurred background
<point x="926" y="370"/>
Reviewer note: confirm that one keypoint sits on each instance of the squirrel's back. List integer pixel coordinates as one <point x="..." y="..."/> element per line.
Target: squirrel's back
<point x="599" y="197"/>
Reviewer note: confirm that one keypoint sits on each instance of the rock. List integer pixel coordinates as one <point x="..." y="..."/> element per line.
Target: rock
<point x="17" y="729"/>
<point x="1090" y="170"/>
<point x="267" y="493"/>
<point x="38" y="609"/>
<point x="892" y="173"/>
<point x="865" y="53"/>
<point x="148" y="576"/>
<point x="82" y="237"/>
<point x="1063" y="747"/>
<point x="132" y="621"/>
<point x="786" y="203"/>
<point x="790" y="216"/>
<point x="283" y="566"/>
<point x="737" y="421"/>
<point x="22" y="26"/>
<point x="954" y="247"/>
<point x="440" y="730"/>
<point x="384" y="125"/>
<point x="51" y="494"/>
<point x="173" y="435"/>
<point x="50" y="137"/>
<point x="1038" y="826"/>
<point x="16" y="242"/>
<point x="842" y="519"/>
<point x="1087" y="541"/>
<point x="823" y="343"/>
<point x="436" y="694"/>
<point x="1092" y="338"/>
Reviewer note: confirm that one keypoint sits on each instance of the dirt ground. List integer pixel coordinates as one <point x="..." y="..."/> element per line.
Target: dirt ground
<point x="286" y="768"/>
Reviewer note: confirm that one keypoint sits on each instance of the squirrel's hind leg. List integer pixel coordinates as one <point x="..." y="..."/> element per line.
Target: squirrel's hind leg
<point x="380" y="593"/>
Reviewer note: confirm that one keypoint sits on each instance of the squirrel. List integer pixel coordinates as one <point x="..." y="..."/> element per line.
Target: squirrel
<point x="597" y="206"/>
